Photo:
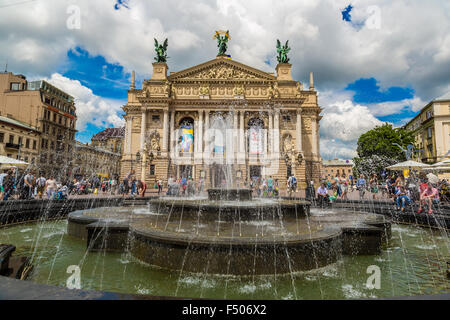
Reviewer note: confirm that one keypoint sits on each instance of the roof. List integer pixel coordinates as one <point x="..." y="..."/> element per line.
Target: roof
<point x="17" y="123"/>
<point x="337" y="162"/>
<point x="80" y="145"/>
<point x="445" y="97"/>
<point x="110" y="133"/>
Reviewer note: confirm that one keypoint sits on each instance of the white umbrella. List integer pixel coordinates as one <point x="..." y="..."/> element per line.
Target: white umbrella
<point x="432" y="178"/>
<point x="437" y="169"/>
<point x="441" y="164"/>
<point x="6" y="163"/>
<point x="406" y="165"/>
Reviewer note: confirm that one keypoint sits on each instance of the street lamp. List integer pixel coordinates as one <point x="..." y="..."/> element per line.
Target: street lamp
<point x="151" y="157"/>
<point x="138" y="156"/>
<point x="300" y="158"/>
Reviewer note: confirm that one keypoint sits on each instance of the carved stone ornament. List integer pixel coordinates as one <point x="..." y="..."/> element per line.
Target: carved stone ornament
<point x="239" y="90"/>
<point x="204" y="91"/>
<point x="307" y="123"/>
<point x="222" y="72"/>
<point x="153" y="139"/>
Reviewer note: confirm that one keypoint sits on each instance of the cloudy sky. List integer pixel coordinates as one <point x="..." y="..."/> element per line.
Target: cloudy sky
<point x="374" y="60"/>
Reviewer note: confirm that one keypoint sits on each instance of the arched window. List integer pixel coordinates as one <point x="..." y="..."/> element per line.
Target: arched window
<point x="255" y="136"/>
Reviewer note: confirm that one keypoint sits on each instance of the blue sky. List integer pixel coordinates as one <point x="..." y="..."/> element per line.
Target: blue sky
<point x="368" y="66"/>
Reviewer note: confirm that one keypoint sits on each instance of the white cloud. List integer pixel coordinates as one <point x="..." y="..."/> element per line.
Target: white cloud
<point x="346" y="121"/>
<point x="392" y="107"/>
<point x="342" y="124"/>
<point x="407" y="50"/>
<point x="89" y="107"/>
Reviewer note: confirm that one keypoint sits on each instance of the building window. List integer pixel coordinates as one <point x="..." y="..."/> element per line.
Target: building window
<point x="11" y="138"/>
<point x="152" y="169"/>
<point x="20" y="141"/>
<point x="15" y="86"/>
<point x="34" y="145"/>
<point x="429" y="133"/>
<point x="27" y="144"/>
<point x="287" y="118"/>
<point x="156" y="118"/>
<point x="2" y="136"/>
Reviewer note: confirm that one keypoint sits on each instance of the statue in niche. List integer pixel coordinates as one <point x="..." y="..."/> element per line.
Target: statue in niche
<point x="288" y="147"/>
<point x="298" y="94"/>
<point x="154" y="141"/>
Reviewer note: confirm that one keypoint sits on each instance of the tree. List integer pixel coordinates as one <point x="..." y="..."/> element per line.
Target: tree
<point x="379" y="148"/>
<point x="380" y="141"/>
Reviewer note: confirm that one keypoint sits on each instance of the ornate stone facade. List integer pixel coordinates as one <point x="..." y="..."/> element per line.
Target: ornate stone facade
<point x="222" y="121"/>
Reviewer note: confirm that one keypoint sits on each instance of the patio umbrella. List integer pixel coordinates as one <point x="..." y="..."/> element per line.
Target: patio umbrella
<point x="444" y="163"/>
<point x="407" y="165"/>
<point x="432" y="178"/>
<point x="7" y="163"/>
<point x="437" y="168"/>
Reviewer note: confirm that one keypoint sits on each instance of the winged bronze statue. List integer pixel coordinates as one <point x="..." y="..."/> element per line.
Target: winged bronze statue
<point x="222" y="41"/>
<point x="282" y="52"/>
<point x="161" y="51"/>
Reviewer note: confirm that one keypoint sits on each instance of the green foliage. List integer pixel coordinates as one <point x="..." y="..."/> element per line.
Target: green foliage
<point x="370" y="165"/>
<point x="381" y="142"/>
<point x="379" y="148"/>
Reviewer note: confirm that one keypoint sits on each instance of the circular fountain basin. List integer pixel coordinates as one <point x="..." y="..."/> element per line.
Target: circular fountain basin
<point x="229" y="210"/>
<point x="271" y="242"/>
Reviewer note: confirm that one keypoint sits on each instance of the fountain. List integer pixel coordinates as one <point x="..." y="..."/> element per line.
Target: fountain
<point x="188" y="234"/>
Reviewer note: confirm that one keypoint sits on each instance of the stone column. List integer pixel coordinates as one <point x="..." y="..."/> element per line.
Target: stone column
<point x="165" y="131"/>
<point x="207" y="149"/>
<point x="172" y="134"/>
<point x="317" y="137"/>
<point x="242" y="154"/>
<point x="235" y="134"/>
<point x="276" y="134"/>
<point x="129" y="125"/>
<point x="199" y="144"/>
<point x="299" y="131"/>
<point x="314" y="135"/>
<point x="143" y="129"/>
<point x="270" y="140"/>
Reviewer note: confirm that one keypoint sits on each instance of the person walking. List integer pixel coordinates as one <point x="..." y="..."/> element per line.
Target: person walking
<point x="40" y="182"/>
<point x="344" y="187"/>
<point x="374" y="185"/>
<point x="361" y="186"/>
<point x="160" y="186"/>
<point x="292" y="185"/>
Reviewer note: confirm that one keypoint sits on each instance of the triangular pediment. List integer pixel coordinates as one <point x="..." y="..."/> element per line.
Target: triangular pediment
<point x="222" y="69"/>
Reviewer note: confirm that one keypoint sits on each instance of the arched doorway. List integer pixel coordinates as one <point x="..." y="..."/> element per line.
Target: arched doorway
<point x="186" y="135"/>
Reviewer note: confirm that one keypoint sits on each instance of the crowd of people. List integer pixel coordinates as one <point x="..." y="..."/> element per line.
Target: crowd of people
<point x="35" y="185"/>
<point x="402" y="191"/>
